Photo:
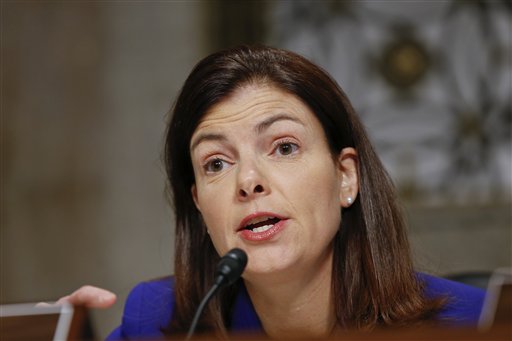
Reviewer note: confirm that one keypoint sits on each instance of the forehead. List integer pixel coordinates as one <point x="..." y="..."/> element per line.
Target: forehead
<point x="253" y="103"/>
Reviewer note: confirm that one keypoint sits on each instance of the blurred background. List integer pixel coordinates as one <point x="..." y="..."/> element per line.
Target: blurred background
<point x="86" y="87"/>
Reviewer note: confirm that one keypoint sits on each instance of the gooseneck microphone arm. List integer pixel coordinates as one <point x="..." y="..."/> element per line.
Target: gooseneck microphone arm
<point x="229" y="269"/>
<point x="200" y="309"/>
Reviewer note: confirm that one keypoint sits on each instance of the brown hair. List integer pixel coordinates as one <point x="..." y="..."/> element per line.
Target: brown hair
<point x="373" y="279"/>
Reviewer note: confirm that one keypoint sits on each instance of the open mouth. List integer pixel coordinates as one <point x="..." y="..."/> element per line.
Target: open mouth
<point x="261" y="225"/>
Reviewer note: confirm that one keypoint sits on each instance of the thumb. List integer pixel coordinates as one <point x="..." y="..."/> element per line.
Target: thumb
<point x="91" y="297"/>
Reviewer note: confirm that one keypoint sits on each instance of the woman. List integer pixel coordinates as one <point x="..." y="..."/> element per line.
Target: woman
<point x="265" y="153"/>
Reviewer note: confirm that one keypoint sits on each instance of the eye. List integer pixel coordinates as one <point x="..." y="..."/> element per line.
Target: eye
<point x="286" y="148"/>
<point x="214" y="166"/>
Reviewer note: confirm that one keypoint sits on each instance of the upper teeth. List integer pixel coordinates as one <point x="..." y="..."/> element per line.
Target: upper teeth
<point x="262" y="228"/>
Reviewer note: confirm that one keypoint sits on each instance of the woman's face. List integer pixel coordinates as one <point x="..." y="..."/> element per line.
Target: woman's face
<point x="266" y="182"/>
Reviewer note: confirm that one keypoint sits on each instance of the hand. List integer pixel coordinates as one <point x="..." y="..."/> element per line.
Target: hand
<point x="89" y="296"/>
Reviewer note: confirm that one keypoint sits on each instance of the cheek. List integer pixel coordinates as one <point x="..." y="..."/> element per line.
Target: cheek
<point x="316" y="184"/>
<point x="210" y="205"/>
<point x="214" y="210"/>
<point x="317" y="189"/>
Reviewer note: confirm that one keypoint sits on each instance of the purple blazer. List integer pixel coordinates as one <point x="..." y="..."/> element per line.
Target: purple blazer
<point x="150" y="305"/>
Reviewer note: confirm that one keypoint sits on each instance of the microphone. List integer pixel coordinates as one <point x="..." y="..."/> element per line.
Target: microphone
<point x="229" y="269"/>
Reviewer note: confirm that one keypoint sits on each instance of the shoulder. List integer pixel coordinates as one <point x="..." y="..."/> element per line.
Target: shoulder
<point x="464" y="303"/>
<point x="148" y="310"/>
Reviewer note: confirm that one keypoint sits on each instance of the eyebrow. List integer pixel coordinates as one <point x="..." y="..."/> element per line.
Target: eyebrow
<point x="260" y="128"/>
<point x="207" y="137"/>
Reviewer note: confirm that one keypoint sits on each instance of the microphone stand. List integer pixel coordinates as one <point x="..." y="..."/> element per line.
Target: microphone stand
<point x="229" y="269"/>
<point x="200" y="309"/>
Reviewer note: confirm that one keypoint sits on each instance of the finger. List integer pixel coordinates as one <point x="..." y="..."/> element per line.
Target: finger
<point x="91" y="297"/>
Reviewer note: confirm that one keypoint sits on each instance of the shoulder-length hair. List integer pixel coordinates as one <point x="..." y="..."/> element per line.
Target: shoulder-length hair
<point x="373" y="280"/>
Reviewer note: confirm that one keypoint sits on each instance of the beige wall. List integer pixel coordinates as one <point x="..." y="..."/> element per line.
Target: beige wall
<point x="86" y="88"/>
<point x="449" y="240"/>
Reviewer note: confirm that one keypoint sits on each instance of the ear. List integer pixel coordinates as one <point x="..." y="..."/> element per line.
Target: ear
<point x="349" y="173"/>
<point x="193" y="189"/>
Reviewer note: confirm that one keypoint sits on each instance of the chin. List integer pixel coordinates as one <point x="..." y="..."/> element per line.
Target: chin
<point x="268" y="265"/>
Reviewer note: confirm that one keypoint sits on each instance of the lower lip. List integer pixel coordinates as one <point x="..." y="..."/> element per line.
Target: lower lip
<point x="265" y="235"/>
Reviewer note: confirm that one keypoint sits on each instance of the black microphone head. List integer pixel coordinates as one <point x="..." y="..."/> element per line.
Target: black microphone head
<point x="230" y="267"/>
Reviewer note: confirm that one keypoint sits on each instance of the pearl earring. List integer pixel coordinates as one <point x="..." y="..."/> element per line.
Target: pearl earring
<point x="349" y="200"/>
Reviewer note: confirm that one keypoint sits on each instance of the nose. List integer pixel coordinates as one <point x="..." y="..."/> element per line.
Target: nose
<point x="251" y="183"/>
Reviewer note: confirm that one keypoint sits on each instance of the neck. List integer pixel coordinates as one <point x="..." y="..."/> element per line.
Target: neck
<point x="298" y="303"/>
